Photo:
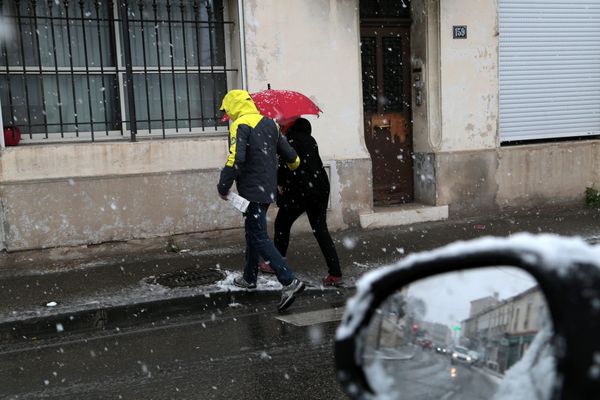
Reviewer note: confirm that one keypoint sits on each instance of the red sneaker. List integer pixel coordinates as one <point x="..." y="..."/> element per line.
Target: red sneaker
<point x="264" y="267"/>
<point x="331" y="280"/>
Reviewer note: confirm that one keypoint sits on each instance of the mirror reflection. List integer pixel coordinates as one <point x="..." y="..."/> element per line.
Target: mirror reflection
<point x="478" y="334"/>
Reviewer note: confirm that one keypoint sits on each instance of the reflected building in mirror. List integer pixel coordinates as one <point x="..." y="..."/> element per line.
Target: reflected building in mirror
<point x="500" y="331"/>
<point x="440" y="334"/>
<point x="482" y="304"/>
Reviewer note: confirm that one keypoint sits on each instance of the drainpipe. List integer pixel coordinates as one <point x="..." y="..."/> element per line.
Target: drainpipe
<point x="242" y="31"/>
<point x="2" y="218"/>
<point x="1" y="129"/>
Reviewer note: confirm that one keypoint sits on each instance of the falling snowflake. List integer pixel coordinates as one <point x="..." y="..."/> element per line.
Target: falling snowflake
<point x="349" y="243"/>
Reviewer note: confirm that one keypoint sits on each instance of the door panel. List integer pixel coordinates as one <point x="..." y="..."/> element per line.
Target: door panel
<point x="386" y="100"/>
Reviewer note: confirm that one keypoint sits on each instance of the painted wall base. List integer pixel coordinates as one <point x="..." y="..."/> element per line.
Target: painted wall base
<point x="88" y="210"/>
<point x="535" y="175"/>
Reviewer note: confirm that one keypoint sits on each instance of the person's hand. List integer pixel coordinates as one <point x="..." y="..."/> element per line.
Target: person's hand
<point x="223" y="196"/>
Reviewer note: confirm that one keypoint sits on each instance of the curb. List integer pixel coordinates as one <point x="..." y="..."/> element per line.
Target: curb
<point x="120" y="317"/>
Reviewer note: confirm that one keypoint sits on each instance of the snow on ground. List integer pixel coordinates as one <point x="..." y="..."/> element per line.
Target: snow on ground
<point x="143" y="292"/>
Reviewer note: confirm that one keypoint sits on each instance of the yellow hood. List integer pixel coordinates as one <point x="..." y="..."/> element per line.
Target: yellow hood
<point x="237" y="103"/>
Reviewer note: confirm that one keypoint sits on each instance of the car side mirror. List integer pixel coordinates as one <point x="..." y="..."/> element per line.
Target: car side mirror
<point x="483" y="319"/>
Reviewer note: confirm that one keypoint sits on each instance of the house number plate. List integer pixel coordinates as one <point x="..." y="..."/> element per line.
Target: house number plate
<point x="459" y="31"/>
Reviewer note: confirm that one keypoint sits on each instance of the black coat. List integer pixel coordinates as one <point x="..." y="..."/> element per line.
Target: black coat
<point x="308" y="185"/>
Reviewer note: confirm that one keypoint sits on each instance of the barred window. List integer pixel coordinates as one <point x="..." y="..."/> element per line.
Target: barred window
<point x="63" y="69"/>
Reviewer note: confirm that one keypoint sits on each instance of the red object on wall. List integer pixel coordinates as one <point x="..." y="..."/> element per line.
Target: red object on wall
<point x="12" y="135"/>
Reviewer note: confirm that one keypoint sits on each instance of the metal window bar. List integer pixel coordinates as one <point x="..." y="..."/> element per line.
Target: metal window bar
<point x="198" y="45"/>
<point x="65" y="72"/>
<point x="103" y="88"/>
<point x="8" y="104"/>
<point x="70" y="55"/>
<point x="157" y="44"/>
<point x="185" y="58"/>
<point x="87" y="68"/>
<point x="209" y="11"/>
<point x="124" y="13"/>
<point x="171" y="48"/>
<point x="32" y="9"/>
<point x="23" y="76"/>
<point x="143" y="30"/>
<point x="58" y="95"/>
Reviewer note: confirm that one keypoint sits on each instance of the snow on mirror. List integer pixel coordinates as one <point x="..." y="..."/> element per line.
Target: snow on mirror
<point x="478" y="334"/>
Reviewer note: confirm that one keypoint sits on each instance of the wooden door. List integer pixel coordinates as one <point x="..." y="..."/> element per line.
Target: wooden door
<point x="385" y="53"/>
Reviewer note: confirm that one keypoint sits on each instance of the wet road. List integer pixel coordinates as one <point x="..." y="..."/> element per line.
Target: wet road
<point x="242" y="351"/>
<point x="426" y="375"/>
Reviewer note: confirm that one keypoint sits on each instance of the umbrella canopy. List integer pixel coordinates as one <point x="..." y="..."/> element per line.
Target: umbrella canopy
<point x="284" y="106"/>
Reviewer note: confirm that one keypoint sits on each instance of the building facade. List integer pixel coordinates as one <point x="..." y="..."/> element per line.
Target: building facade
<point x="484" y="303"/>
<point x="502" y="332"/>
<point x="443" y="108"/>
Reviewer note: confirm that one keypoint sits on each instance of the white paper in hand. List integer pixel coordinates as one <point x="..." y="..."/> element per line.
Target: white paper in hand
<point x="238" y="201"/>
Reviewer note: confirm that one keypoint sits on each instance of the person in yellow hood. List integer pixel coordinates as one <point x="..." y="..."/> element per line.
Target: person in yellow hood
<point x="254" y="143"/>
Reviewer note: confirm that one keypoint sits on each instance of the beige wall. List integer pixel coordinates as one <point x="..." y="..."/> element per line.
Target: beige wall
<point x="94" y="210"/>
<point x="74" y="160"/>
<point x="473" y="182"/>
<point x="87" y="210"/>
<point x="425" y="55"/>
<point x="460" y="76"/>
<point x="469" y="74"/>
<point x="538" y="313"/>
<point x="82" y="193"/>
<point x="459" y="117"/>
<point x="459" y="161"/>
<point x="312" y="46"/>
<point x="547" y="173"/>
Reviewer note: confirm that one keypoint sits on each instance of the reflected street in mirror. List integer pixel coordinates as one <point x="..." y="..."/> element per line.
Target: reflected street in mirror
<point x="478" y="334"/>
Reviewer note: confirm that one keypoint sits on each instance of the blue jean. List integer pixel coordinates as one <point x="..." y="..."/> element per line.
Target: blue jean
<point x="258" y="244"/>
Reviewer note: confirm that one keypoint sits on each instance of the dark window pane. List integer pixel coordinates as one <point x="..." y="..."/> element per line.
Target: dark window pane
<point x="202" y="27"/>
<point x="151" y="115"/>
<point x="214" y="88"/>
<point x="384" y="8"/>
<point x="26" y="109"/>
<point x="40" y="28"/>
<point x="392" y="74"/>
<point x="368" y="52"/>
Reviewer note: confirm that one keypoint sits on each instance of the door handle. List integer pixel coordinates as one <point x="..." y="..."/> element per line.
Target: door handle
<point x="383" y="126"/>
<point x="381" y="123"/>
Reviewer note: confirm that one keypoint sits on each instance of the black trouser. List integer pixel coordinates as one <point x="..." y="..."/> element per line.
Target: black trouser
<point x="317" y="216"/>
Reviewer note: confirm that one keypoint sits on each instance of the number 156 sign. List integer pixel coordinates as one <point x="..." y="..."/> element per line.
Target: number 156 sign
<point x="459" y="31"/>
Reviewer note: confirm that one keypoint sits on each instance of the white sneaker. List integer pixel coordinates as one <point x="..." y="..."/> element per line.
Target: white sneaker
<point x="239" y="281"/>
<point x="288" y="294"/>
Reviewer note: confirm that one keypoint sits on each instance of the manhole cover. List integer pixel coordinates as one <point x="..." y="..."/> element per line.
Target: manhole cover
<point x="188" y="278"/>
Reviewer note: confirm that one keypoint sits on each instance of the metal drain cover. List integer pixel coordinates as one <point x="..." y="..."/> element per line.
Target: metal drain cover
<point x="187" y="278"/>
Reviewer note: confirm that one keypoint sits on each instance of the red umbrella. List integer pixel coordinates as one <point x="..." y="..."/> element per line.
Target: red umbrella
<point x="283" y="106"/>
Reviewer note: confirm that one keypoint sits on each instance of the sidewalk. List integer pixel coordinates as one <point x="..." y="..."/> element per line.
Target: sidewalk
<point x="493" y="376"/>
<point x="84" y="284"/>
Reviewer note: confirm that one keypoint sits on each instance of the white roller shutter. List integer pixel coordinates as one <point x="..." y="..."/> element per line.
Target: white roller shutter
<point x="549" y="68"/>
